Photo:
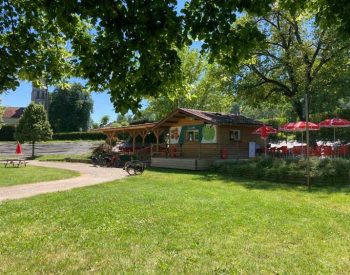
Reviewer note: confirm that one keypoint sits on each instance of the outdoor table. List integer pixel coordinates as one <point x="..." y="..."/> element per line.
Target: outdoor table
<point x="15" y="162"/>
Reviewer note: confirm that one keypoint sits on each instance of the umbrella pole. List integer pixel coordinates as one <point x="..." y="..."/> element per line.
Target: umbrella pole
<point x="302" y="143"/>
<point x="334" y="134"/>
<point x="265" y="147"/>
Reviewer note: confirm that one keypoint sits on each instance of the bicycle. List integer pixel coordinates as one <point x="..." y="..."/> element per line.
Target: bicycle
<point x="105" y="160"/>
<point x="134" y="167"/>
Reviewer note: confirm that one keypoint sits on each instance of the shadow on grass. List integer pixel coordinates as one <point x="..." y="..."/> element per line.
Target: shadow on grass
<point x="253" y="184"/>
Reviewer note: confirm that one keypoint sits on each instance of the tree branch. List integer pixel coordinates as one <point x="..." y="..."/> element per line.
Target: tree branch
<point x="269" y="80"/>
<point x="324" y="60"/>
<point x="267" y="53"/>
<point x="318" y="48"/>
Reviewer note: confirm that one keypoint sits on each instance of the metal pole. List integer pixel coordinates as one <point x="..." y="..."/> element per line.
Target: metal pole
<point x="307" y="141"/>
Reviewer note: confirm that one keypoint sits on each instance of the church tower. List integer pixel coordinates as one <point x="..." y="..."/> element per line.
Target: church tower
<point x="41" y="96"/>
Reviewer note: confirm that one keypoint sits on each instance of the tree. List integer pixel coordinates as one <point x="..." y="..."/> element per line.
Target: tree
<point x="33" y="125"/>
<point x="296" y="58"/>
<point x="127" y="48"/>
<point x="202" y="86"/>
<point x="70" y="109"/>
<point x="2" y="110"/>
<point x="104" y="120"/>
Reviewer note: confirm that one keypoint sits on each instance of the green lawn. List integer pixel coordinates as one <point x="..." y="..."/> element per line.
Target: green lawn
<point x="63" y="157"/>
<point x="30" y="174"/>
<point x="172" y="222"/>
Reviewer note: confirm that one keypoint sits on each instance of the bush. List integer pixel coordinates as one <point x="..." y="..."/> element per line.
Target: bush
<point x="7" y="133"/>
<point x="328" y="170"/>
<point x="79" y="136"/>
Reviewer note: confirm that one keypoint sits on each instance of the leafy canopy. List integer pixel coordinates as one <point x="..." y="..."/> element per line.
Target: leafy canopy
<point x="127" y="47"/>
<point x="2" y="110"/>
<point x="296" y="57"/>
<point x="202" y="86"/>
<point x="70" y="109"/>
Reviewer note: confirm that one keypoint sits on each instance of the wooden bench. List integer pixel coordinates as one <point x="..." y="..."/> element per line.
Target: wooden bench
<point x="15" y="162"/>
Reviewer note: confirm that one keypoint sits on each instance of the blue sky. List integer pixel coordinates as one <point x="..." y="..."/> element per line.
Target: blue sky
<point x="102" y="103"/>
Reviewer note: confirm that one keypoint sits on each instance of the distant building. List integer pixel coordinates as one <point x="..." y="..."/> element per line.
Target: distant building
<point x="39" y="96"/>
<point x="12" y="114"/>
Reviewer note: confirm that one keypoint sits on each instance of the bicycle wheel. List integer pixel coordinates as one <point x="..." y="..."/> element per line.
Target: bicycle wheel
<point x="138" y="168"/>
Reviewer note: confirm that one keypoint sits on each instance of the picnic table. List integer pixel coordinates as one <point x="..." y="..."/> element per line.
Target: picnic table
<point x="15" y="162"/>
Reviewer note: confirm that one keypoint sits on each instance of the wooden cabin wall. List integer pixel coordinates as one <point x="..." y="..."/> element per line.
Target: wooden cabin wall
<point x="237" y="149"/>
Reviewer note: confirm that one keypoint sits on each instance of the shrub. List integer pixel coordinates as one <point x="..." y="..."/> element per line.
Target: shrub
<point x="329" y="170"/>
<point x="7" y="133"/>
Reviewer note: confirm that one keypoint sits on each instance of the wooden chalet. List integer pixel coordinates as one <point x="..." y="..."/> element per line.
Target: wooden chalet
<point x="195" y="139"/>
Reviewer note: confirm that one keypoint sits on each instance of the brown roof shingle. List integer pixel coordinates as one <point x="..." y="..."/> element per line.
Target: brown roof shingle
<point x="221" y="118"/>
<point x="208" y="117"/>
<point x="13" y="112"/>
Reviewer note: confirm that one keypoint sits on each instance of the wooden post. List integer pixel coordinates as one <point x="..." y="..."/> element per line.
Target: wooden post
<point x="133" y="141"/>
<point x="156" y="133"/>
<point x="200" y="150"/>
<point x="143" y="135"/>
<point x="110" y="138"/>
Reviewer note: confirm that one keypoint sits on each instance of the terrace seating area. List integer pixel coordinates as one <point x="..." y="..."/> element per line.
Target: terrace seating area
<point x="320" y="149"/>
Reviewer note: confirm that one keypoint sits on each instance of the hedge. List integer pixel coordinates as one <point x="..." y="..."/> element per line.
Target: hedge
<point x="7" y="133"/>
<point x="79" y="136"/>
<point x="327" y="171"/>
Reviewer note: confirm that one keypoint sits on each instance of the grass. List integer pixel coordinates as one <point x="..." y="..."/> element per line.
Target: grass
<point x="178" y="222"/>
<point x="62" y="157"/>
<point x="31" y="174"/>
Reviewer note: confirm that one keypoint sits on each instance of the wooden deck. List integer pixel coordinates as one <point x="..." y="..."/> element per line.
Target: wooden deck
<point x="181" y="163"/>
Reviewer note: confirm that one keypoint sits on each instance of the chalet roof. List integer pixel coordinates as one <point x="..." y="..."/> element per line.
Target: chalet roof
<point x="208" y="117"/>
<point x="129" y="128"/>
<point x="13" y="112"/>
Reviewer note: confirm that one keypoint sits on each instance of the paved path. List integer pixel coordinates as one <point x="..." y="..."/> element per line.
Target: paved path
<point x="90" y="175"/>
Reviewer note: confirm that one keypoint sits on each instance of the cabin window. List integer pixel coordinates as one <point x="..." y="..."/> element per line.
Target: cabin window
<point x="192" y="135"/>
<point x="235" y="135"/>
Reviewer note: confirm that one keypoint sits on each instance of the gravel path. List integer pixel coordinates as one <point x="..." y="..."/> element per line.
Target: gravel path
<point x="89" y="175"/>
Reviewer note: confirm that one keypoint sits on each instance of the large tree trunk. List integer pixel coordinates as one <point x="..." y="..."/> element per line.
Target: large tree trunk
<point x="298" y="109"/>
<point x="33" y="146"/>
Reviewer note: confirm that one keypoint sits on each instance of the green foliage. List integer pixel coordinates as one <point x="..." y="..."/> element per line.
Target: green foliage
<point x="202" y="86"/>
<point x="127" y="48"/>
<point x="70" y="109"/>
<point x="296" y="58"/>
<point x="104" y="120"/>
<point x="326" y="171"/>
<point x="79" y="136"/>
<point x="33" y="45"/>
<point x="33" y="125"/>
<point x="2" y="110"/>
<point x="7" y="133"/>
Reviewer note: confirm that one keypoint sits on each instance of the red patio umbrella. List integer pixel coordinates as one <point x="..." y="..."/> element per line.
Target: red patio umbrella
<point x="288" y="127"/>
<point x="18" y="149"/>
<point x="300" y="126"/>
<point x="335" y="123"/>
<point x="264" y="132"/>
